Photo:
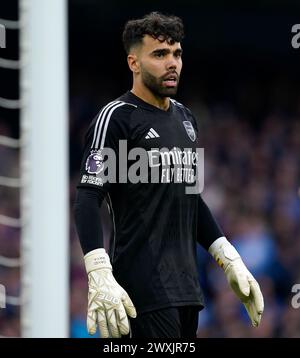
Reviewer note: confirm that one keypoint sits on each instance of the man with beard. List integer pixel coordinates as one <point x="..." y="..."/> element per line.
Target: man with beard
<point x="156" y="225"/>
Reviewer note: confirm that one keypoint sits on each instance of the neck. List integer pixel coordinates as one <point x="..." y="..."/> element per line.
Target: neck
<point x="146" y="95"/>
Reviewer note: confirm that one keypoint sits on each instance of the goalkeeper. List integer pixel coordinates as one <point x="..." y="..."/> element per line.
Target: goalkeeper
<point x="146" y="284"/>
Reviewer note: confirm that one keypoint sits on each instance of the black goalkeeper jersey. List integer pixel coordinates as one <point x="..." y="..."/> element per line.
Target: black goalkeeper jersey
<point x="156" y="224"/>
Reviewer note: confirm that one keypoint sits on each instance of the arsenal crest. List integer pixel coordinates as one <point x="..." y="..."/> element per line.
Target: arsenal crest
<point x="190" y="130"/>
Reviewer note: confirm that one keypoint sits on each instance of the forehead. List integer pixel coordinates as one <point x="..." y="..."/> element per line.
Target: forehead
<point x="150" y="44"/>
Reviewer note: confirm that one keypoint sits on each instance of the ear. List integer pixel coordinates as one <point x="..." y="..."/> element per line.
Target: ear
<point x="133" y="63"/>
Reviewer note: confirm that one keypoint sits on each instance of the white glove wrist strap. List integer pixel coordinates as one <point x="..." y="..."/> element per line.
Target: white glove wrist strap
<point x="223" y="252"/>
<point x="97" y="259"/>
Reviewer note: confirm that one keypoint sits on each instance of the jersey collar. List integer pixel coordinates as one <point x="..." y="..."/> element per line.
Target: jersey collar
<point x="138" y="101"/>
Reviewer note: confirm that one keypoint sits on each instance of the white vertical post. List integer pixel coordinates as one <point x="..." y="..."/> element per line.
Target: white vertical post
<point x="44" y="168"/>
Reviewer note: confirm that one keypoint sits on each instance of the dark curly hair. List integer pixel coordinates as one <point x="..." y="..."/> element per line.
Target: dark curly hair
<point x="159" y="26"/>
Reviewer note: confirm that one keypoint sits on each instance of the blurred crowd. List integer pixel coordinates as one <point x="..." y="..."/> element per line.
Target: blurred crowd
<point x="251" y="185"/>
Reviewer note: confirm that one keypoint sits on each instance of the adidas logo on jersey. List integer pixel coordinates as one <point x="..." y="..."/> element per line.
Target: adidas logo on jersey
<point x="152" y="134"/>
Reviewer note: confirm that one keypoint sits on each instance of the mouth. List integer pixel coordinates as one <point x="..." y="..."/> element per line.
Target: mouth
<point x="170" y="80"/>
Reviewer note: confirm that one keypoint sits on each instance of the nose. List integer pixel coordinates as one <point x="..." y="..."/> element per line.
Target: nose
<point x="171" y="63"/>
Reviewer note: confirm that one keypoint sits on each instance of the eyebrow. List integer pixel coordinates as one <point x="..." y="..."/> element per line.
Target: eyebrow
<point x="166" y="51"/>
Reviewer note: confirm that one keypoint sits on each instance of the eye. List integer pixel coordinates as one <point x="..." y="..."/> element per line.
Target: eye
<point x="159" y="54"/>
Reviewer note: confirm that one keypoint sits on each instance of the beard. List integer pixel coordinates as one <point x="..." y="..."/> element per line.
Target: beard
<point x="156" y="86"/>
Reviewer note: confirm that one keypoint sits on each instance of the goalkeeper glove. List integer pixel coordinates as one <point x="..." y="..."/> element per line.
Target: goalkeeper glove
<point x="108" y="303"/>
<point x="240" y="279"/>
